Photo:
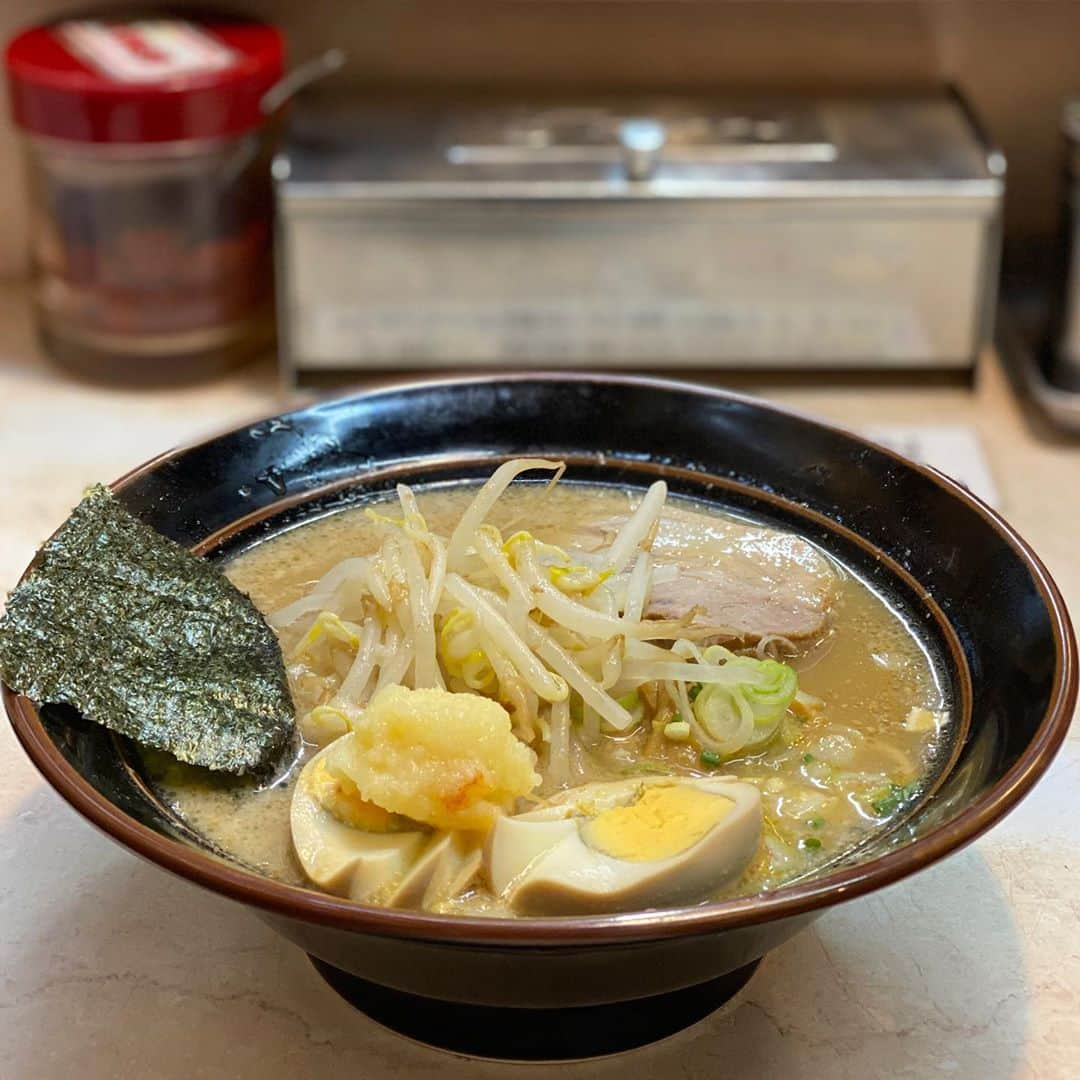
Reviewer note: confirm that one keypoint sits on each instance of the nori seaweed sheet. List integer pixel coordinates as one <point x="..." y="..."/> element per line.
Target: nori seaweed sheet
<point x="142" y="636"/>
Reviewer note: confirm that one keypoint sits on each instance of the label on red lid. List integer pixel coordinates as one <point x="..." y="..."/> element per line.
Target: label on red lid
<point x="145" y="51"/>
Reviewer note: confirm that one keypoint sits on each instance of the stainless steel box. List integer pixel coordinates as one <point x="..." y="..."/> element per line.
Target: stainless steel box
<point x="830" y="233"/>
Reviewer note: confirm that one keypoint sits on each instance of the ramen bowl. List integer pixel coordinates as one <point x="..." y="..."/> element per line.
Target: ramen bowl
<point x="917" y="537"/>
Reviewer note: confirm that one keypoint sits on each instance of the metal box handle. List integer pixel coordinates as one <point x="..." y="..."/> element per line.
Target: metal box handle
<point x="642" y="140"/>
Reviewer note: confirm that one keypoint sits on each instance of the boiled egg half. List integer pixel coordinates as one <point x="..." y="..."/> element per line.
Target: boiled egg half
<point x="395" y="811"/>
<point x="625" y="844"/>
<point x="353" y="848"/>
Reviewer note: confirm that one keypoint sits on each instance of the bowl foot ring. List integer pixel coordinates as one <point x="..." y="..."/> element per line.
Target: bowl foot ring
<point x="506" y="1034"/>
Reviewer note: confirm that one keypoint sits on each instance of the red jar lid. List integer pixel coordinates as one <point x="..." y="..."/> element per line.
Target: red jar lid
<point x="142" y="80"/>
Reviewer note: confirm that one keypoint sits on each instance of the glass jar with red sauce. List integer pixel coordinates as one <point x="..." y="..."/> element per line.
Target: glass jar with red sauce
<point x="149" y="149"/>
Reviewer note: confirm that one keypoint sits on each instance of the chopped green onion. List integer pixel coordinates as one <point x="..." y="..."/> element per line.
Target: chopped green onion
<point x="807" y="758"/>
<point x="711" y="758"/>
<point x="630" y="701"/>
<point x="744" y="711"/>
<point x="677" y="730"/>
<point x="810" y="843"/>
<point x="815" y="822"/>
<point x="693" y="690"/>
<point x="886" y="801"/>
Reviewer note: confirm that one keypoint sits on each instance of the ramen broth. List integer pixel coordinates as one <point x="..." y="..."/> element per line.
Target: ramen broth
<point x="830" y="777"/>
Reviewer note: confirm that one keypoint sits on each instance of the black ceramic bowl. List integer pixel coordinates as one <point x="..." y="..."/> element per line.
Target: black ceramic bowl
<point x="982" y="599"/>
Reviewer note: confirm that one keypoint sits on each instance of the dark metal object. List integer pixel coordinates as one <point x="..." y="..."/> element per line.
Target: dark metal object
<point x="1030" y="367"/>
<point x="1051" y="377"/>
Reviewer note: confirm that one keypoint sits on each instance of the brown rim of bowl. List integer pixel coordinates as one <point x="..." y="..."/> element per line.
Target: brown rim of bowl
<point x="793" y="900"/>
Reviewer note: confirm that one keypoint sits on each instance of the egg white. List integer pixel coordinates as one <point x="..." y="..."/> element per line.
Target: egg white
<point x="541" y="862"/>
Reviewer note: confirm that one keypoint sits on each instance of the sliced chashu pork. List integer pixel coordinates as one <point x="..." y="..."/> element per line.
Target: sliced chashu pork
<point x="750" y="579"/>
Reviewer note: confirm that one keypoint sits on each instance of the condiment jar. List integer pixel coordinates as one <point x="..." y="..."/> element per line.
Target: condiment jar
<point x="148" y="152"/>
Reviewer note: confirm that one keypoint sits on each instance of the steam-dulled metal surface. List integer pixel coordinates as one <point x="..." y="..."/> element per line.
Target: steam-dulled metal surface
<point x="979" y="594"/>
<point x="636" y="232"/>
<point x="916" y="146"/>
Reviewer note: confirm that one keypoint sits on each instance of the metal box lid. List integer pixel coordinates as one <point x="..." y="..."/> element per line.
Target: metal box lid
<point x="634" y="149"/>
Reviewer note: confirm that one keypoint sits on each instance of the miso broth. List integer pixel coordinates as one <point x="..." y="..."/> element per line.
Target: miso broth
<point x="850" y="756"/>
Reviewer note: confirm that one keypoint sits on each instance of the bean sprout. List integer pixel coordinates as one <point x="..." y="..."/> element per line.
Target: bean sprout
<point x="552" y="634"/>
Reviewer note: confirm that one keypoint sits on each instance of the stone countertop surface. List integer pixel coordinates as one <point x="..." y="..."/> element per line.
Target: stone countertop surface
<point x="111" y="968"/>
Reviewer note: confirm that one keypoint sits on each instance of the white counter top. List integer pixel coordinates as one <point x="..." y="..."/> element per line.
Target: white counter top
<point x="109" y="968"/>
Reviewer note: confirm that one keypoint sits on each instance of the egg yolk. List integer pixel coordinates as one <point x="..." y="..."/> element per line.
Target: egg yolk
<point x="663" y="822"/>
<point x="341" y="799"/>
